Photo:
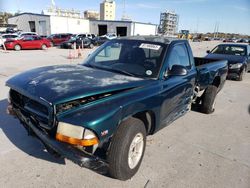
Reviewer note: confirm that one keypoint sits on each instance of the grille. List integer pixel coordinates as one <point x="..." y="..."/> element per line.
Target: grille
<point x="36" y="110"/>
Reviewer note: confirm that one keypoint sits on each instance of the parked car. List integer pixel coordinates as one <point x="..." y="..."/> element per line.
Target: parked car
<point x="238" y="56"/>
<point x="79" y="41"/>
<point x="4" y="37"/>
<point x="57" y="39"/>
<point x="228" y="40"/>
<point x="127" y="89"/>
<point x="111" y="36"/>
<point x="100" y="40"/>
<point x="242" y="41"/>
<point x="27" y="42"/>
<point x="21" y="34"/>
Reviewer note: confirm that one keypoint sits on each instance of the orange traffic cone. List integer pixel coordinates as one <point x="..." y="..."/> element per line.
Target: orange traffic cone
<point x="79" y="52"/>
<point x="70" y="56"/>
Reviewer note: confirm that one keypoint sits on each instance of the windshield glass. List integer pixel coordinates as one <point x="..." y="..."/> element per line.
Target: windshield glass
<point x="229" y="50"/>
<point x="130" y="57"/>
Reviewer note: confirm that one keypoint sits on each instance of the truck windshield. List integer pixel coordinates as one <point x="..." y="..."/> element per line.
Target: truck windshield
<point x="229" y="50"/>
<point x="131" y="57"/>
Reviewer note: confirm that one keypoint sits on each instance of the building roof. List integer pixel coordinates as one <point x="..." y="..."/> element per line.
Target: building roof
<point x="29" y="13"/>
<point x="122" y="21"/>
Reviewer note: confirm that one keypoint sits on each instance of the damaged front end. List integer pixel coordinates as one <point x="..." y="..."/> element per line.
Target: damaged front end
<point x="63" y="140"/>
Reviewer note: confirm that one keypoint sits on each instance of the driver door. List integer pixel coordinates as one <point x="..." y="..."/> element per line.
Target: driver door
<point x="177" y="91"/>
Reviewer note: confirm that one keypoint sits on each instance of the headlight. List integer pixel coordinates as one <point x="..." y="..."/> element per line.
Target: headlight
<point x="75" y="135"/>
<point x="235" y="66"/>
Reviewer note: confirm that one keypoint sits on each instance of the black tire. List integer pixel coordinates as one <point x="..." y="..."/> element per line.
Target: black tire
<point x="17" y="47"/>
<point x="118" y="154"/>
<point x="241" y="75"/>
<point x="43" y="47"/>
<point x="208" y="99"/>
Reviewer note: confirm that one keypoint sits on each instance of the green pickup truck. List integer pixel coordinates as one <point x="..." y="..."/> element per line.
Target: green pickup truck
<point x="98" y="113"/>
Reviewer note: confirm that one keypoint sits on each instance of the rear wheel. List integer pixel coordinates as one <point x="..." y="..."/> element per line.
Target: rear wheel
<point x="91" y="46"/>
<point x="208" y="99"/>
<point x="43" y="47"/>
<point x="17" y="47"/>
<point x="127" y="149"/>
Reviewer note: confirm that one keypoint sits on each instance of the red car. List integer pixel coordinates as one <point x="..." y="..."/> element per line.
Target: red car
<point x="27" y="42"/>
<point x="58" y="39"/>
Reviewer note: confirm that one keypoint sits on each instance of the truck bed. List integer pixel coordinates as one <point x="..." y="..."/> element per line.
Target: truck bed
<point x="209" y="69"/>
<point x="198" y="61"/>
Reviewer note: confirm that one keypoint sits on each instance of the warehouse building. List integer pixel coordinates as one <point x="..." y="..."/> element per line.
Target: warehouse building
<point x="122" y="28"/>
<point x="51" y="24"/>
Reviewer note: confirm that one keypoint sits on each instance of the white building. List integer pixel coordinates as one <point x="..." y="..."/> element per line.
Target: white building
<point x="107" y="10"/>
<point x="122" y="28"/>
<point x="49" y="24"/>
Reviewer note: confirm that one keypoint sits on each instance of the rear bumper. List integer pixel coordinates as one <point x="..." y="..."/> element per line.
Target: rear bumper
<point x="70" y="152"/>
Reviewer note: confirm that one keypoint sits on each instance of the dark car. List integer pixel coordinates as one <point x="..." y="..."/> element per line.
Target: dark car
<point x="238" y="56"/>
<point x="57" y="39"/>
<point x="100" y="40"/>
<point x="99" y="113"/>
<point x="79" y="41"/>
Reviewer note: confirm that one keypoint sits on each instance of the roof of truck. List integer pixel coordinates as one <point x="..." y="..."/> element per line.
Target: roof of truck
<point x="161" y="39"/>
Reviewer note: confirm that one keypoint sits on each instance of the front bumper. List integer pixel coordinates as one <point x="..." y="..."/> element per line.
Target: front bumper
<point x="234" y="73"/>
<point x="70" y="152"/>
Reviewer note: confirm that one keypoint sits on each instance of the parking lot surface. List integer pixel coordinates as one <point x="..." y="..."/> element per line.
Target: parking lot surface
<point x="197" y="150"/>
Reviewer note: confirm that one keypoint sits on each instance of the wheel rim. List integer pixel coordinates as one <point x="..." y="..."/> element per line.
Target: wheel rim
<point x="135" y="150"/>
<point x="17" y="47"/>
<point x="43" y="47"/>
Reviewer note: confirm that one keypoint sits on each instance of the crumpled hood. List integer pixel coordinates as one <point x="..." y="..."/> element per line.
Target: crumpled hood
<point x="232" y="59"/>
<point x="65" y="82"/>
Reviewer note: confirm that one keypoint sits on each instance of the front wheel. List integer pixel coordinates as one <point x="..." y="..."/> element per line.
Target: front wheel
<point x="242" y="74"/>
<point x="17" y="47"/>
<point x="208" y="99"/>
<point x="127" y="149"/>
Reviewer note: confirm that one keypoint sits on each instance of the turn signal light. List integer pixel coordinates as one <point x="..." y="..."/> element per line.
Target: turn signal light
<point x="76" y="141"/>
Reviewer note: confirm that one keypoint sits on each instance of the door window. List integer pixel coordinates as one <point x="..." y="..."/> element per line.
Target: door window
<point x="179" y="56"/>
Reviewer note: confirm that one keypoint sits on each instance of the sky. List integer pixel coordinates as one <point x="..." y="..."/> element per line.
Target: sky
<point x="232" y="16"/>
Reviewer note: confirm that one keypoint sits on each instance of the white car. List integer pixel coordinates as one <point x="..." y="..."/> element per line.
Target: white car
<point x="110" y="36"/>
<point x="21" y="34"/>
<point x="4" y="37"/>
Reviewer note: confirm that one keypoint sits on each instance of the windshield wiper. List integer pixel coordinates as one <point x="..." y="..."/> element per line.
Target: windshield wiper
<point x="112" y="70"/>
<point x="122" y="72"/>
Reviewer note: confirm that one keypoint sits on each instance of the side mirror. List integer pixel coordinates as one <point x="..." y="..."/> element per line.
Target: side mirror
<point x="208" y="51"/>
<point x="177" y="70"/>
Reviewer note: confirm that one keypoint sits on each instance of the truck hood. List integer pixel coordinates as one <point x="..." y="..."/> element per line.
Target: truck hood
<point x="56" y="84"/>
<point x="232" y="59"/>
